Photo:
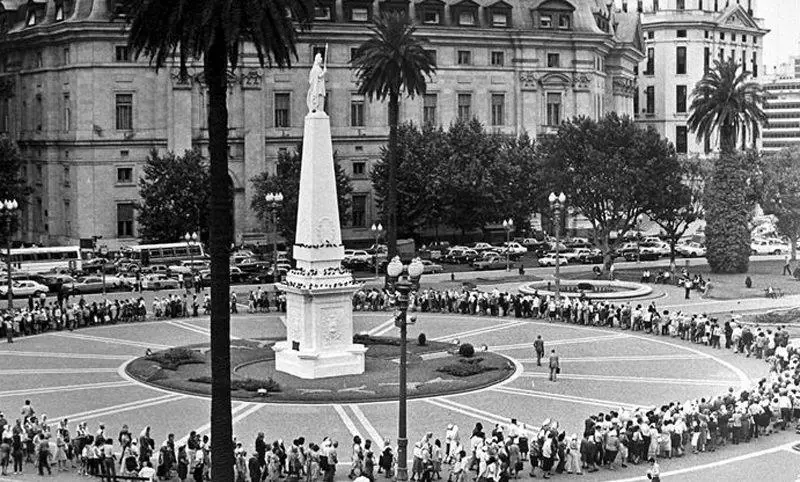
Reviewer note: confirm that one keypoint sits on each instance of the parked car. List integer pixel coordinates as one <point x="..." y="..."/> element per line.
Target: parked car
<point x="24" y="288"/>
<point x="481" y="247"/>
<point x="590" y="256"/>
<point x="159" y="282"/>
<point x="53" y="281"/>
<point x="188" y="266"/>
<point x="658" y="248"/>
<point x="769" y="246"/>
<point x="85" y="285"/>
<point x="461" y="256"/>
<point x="691" y="250"/>
<point x="357" y="259"/>
<point x="97" y="265"/>
<point x="429" y="267"/>
<point x="549" y="259"/>
<point x="514" y="248"/>
<point x="579" y="243"/>
<point x="493" y="262"/>
<point x="570" y="254"/>
<point x="156" y="269"/>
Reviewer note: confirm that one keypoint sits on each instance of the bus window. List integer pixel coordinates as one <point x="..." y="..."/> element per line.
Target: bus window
<point x="28" y="257"/>
<point x="196" y="251"/>
<point x="167" y="252"/>
<point x="56" y="256"/>
<point x="153" y="254"/>
<point x="181" y="252"/>
<point x="71" y="255"/>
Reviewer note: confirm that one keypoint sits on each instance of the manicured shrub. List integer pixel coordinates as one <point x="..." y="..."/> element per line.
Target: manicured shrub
<point x="422" y="340"/>
<point x="172" y="358"/>
<point x="748" y="283"/>
<point x="466" y="368"/>
<point x="367" y="340"/>
<point x="246" y="384"/>
<point x="466" y="350"/>
<point x="585" y="287"/>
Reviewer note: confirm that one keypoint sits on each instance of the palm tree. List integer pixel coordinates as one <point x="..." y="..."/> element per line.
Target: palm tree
<point x="215" y="31"/>
<point x="725" y="100"/>
<point x="392" y="61"/>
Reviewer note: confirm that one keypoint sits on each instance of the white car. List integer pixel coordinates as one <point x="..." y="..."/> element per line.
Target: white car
<point x="481" y="247"/>
<point x="356" y="256"/>
<point x="429" y="267"/>
<point x="659" y="248"/>
<point x="190" y="266"/>
<point x="24" y="288"/>
<point x="769" y="246"/>
<point x="159" y="282"/>
<point x="549" y="259"/>
<point x="691" y="250"/>
<point x="569" y="254"/>
<point x="513" y="247"/>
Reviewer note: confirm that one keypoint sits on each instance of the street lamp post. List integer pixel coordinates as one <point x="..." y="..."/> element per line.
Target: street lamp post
<point x="274" y="200"/>
<point x="508" y="225"/>
<point x="557" y="204"/>
<point x="403" y="286"/>
<point x="190" y="239"/>
<point x="377" y="230"/>
<point x="8" y="210"/>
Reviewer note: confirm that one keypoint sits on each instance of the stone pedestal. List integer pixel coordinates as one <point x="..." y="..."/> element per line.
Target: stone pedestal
<point x="319" y="307"/>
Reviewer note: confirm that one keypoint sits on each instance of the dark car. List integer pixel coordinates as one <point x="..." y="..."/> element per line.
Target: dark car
<point x="593" y="256"/>
<point x="461" y="256"/>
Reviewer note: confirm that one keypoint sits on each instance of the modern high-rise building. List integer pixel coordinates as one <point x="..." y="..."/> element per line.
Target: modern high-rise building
<point x="682" y="39"/>
<point x="86" y="113"/>
<point x="782" y="107"/>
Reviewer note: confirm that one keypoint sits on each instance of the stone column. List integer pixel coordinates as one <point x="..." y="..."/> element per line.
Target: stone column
<point x="179" y="114"/>
<point x="254" y="129"/>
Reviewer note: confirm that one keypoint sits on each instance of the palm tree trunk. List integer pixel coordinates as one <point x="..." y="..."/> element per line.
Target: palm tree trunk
<point x="391" y="198"/>
<point x="727" y="139"/>
<point x="220" y="237"/>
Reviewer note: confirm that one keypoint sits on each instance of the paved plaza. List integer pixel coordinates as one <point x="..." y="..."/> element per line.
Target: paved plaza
<point x="81" y="376"/>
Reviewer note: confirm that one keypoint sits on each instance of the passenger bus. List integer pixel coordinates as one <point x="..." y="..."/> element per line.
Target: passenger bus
<point x="42" y="260"/>
<point x="167" y="253"/>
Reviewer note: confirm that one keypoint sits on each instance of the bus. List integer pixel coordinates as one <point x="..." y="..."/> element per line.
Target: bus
<point x="43" y="260"/>
<point x="167" y="253"/>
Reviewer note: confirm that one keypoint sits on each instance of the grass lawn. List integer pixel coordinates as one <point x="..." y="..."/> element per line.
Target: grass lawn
<point x="253" y="363"/>
<point x="724" y="286"/>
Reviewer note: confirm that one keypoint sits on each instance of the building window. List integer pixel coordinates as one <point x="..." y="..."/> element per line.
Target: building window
<point x="705" y="34"/>
<point x="636" y="102"/>
<point x="59" y="13"/>
<point x="124" y="175"/>
<point x="464" y="57"/>
<point x="322" y="13"/>
<point x="429" y="109"/>
<point x="359" y="14"/>
<point x="431" y="17"/>
<point x="755" y="64"/>
<point x="31" y="19"/>
<point x="359" y="169"/>
<point x="655" y="5"/>
<point x="651" y="62"/>
<point x="65" y="56"/>
<point x="38" y="113"/>
<point x="498" y="109"/>
<point x="650" y="99"/>
<point x="553" y="60"/>
<point x="39" y="60"/>
<point x="722" y="35"/>
<point x="431" y="56"/>
<point x="67" y="219"/>
<point x="545" y="21"/>
<point x="67" y="120"/>
<point x="357" y="111"/>
<point x="680" y="60"/>
<point x="553" y="109"/>
<point x="124" y="111"/>
<point x="466" y="18"/>
<point x="721" y="54"/>
<point x="500" y="19"/>
<point x="681" y="145"/>
<point x="680" y="99"/>
<point x="317" y="49"/>
<point x="4" y="115"/>
<point x="564" y="22"/>
<point x="122" y="53"/>
<point x="125" y="220"/>
<point x="681" y="33"/>
<point x="706" y="59"/>
<point x="680" y="4"/>
<point x="353" y="53"/>
<point x="464" y="106"/>
<point x="359" y="210"/>
<point x="67" y="181"/>
<point x="744" y="38"/>
<point x="282" y="109"/>
<point x="733" y="37"/>
<point x="699" y="4"/>
<point x="498" y="58"/>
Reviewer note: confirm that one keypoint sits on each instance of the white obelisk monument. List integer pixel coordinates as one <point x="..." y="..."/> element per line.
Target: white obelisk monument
<point x="319" y="308"/>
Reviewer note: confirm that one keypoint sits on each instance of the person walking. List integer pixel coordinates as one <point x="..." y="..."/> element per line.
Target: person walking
<point x="787" y="267"/>
<point x="687" y="286"/>
<point x="538" y="345"/>
<point x="555" y="369"/>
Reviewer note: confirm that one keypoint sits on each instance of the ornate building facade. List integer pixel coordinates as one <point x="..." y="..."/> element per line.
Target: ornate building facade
<point x="86" y="114"/>
<point x="682" y="38"/>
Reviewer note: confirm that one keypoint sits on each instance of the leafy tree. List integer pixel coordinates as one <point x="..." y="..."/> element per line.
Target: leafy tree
<point x="420" y="154"/>
<point x="392" y="62"/>
<point x="517" y="184"/>
<point x="679" y="201"/>
<point x="12" y="181"/>
<point x="215" y="31"/>
<point x="174" y="196"/>
<point x="781" y="196"/>
<point x="608" y="170"/>
<point x="287" y="182"/>
<point x="729" y="203"/>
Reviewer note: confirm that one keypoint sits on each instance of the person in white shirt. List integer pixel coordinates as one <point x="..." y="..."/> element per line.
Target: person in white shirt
<point x="148" y="472"/>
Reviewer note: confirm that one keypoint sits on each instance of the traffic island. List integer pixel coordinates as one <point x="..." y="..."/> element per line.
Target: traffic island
<point x="434" y="369"/>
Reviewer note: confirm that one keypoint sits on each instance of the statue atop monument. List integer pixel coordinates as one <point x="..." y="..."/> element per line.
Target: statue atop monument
<point x="316" y="85"/>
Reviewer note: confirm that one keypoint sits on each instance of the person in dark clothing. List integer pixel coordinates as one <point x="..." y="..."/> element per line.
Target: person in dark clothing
<point x="254" y="467"/>
<point x="538" y="345"/>
<point x="43" y="461"/>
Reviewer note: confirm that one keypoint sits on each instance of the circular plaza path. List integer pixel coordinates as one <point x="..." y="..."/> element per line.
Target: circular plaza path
<point x="81" y="376"/>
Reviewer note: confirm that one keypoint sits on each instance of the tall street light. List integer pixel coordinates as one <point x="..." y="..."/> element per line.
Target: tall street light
<point x="190" y="239"/>
<point x="556" y="205"/>
<point x="274" y="201"/>
<point x="508" y="225"/>
<point x="8" y="211"/>
<point x="403" y="285"/>
<point x="376" y="230"/>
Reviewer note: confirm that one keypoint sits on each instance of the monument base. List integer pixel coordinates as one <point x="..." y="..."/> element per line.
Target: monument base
<point x="310" y="365"/>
